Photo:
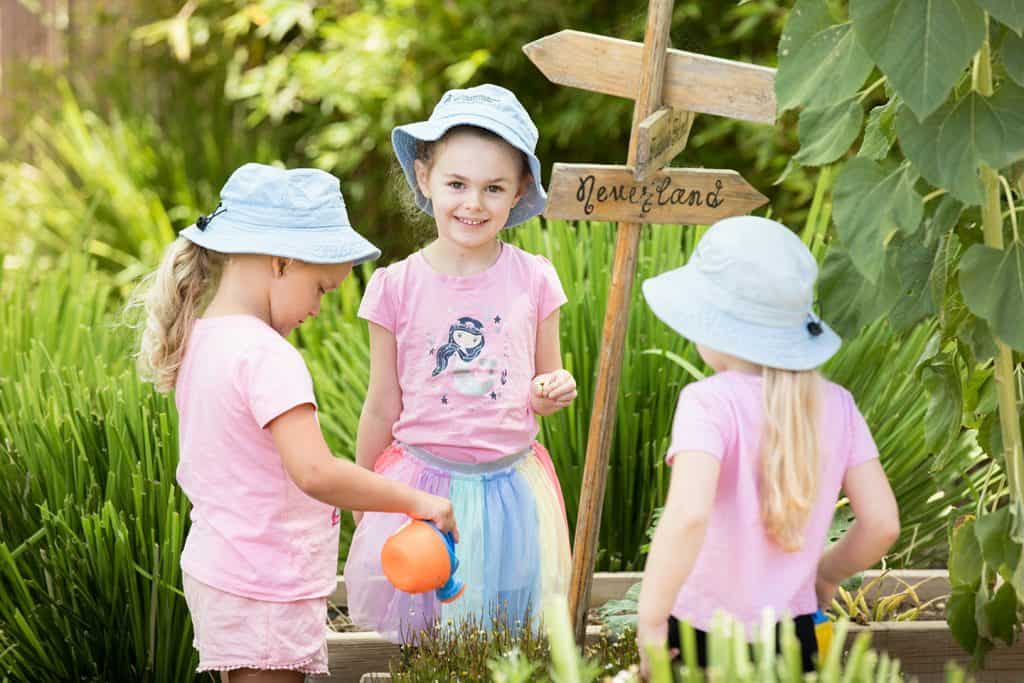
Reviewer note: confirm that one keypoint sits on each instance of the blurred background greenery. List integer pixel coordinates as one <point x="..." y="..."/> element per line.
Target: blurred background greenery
<point x="154" y="103"/>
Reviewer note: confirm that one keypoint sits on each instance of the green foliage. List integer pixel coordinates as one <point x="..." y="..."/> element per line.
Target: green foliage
<point x="986" y="583"/>
<point x="983" y="269"/>
<point x="329" y="81"/>
<point x="923" y="48"/>
<point x="92" y="521"/>
<point x="950" y="145"/>
<point x="949" y="125"/>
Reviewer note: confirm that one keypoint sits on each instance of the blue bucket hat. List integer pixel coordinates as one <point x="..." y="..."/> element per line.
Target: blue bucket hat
<point x="297" y="213"/>
<point x="748" y="290"/>
<point x="485" y="106"/>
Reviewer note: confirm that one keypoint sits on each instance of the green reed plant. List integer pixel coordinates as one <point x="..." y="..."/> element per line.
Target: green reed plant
<point x="91" y="522"/>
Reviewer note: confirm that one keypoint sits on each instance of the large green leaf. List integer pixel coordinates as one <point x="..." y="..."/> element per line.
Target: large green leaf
<point x="949" y="146"/>
<point x="1012" y="53"/>
<point x="998" y="551"/>
<point x="964" y="555"/>
<point x="879" y="134"/>
<point x="870" y="204"/>
<point x="992" y="282"/>
<point x="1009" y="12"/>
<point x="910" y="262"/>
<point x="847" y="299"/>
<point x="960" y="615"/>
<point x="826" y="133"/>
<point x="945" y="403"/>
<point x="923" y="46"/>
<point x="819" y="62"/>
<point x="1001" y="612"/>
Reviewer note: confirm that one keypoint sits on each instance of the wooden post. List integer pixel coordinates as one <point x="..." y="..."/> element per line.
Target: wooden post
<point x="602" y="420"/>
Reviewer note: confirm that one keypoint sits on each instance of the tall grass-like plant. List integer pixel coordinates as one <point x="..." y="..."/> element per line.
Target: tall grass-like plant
<point x="91" y="522"/>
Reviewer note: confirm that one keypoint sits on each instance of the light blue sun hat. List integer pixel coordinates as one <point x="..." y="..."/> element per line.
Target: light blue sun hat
<point x="748" y="291"/>
<point x="485" y="106"/>
<point x="297" y="213"/>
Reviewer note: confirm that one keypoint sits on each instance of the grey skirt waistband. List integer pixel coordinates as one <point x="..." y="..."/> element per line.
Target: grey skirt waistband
<point x="468" y="468"/>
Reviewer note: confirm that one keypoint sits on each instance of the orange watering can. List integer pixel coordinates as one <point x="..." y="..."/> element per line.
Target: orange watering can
<point x="419" y="558"/>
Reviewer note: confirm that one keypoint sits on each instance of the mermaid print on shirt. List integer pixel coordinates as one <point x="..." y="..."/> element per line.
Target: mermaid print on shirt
<point x="471" y="375"/>
<point x="465" y="337"/>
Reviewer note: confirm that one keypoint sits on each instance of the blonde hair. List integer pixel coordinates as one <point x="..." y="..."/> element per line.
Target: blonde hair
<point x="789" y="453"/>
<point x="172" y="297"/>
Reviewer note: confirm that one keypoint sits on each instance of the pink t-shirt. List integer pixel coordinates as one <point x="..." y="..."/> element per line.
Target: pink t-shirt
<point x="466" y="350"/>
<point x="739" y="570"/>
<point x="254" y="532"/>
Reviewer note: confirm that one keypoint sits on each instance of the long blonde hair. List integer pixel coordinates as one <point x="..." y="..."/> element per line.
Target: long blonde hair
<point x="789" y="453"/>
<point x="173" y="297"/>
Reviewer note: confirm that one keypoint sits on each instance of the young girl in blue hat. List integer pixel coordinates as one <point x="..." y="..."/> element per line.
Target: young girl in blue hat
<point x="464" y="354"/>
<point x="261" y="555"/>
<point x="759" y="450"/>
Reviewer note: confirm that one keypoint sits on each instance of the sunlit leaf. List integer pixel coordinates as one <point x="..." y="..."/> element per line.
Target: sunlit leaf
<point x="871" y="203"/>
<point x="950" y="145"/>
<point x="923" y="46"/>
<point x="826" y="133"/>
<point x="819" y="62"/>
<point x="992" y="282"/>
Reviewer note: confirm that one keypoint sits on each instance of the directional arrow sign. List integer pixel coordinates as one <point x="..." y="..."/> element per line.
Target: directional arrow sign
<point x="660" y="137"/>
<point x="693" y="82"/>
<point x="675" y="195"/>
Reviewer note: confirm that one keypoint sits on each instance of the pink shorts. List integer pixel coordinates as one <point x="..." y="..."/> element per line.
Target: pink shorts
<point x="232" y="632"/>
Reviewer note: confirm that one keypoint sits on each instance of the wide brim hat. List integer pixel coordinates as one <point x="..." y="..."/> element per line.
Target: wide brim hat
<point x="297" y="213"/>
<point x="487" y="106"/>
<point x="748" y="291"/>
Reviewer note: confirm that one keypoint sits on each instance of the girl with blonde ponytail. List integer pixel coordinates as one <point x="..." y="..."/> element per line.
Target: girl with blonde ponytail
<point x="173" y="297"/>
<point x="261" y="555"/>
<point x="759" y="450"/>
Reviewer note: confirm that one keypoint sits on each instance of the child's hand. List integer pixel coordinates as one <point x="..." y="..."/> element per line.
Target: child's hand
<point x="825" y="590"/>
<point x="437" y="510"/>
<point x="553" y="391"/>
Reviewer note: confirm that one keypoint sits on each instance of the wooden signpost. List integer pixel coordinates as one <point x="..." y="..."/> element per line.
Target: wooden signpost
<point x="669" y="86"/>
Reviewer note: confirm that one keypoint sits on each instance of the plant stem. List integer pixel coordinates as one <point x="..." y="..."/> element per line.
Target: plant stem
<point x="871" y="88"/>
<point x="992" y="226"/>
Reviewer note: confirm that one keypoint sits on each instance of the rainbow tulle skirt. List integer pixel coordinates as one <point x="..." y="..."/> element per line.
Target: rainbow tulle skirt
<point x="512" y="552"/>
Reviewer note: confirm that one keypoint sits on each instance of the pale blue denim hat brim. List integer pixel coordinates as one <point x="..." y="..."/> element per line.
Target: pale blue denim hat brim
<point x="507" y="119"/>
<point x="296" y="213"/>
<point x="687" y="300"/>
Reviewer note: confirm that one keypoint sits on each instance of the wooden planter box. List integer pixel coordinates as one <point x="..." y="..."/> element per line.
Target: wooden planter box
<point x="923" y="647"/>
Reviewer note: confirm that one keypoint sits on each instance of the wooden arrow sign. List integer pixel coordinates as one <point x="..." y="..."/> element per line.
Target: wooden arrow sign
<point x="675" y="195"/>
<point x="693" y="82"/>
<point x="660" y="137"/>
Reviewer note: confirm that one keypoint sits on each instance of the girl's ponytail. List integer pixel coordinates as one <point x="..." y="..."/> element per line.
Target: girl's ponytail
<point x="173" y="297"/>
<point x="789" y="453"/>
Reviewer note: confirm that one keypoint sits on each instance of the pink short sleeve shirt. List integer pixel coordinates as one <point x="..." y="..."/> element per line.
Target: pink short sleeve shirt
<point x="739" y="570"/>
<point x="466" y="350"/>
<point x="254" y="533"/>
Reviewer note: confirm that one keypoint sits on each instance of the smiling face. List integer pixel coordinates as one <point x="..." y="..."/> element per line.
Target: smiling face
<point x="296" y="288"/>
<point x="466" y="340"/>
<point x="473" y="181"/>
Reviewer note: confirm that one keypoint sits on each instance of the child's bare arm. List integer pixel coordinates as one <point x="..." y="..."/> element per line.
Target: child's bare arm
<point x="676" y="542"/>
<point x="383" y="402"/>
<point x="875" y="529"/>
<point x="553" y="387"/>
<point x="335" y="481"/>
